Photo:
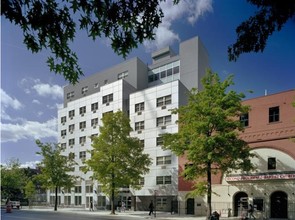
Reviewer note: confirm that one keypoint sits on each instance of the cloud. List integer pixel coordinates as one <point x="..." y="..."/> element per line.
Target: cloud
<point x="35" y="101"/>
<point x="9" y="102"/>
<point x="28" y="130"/>
<point x="31" y="164"/>
<point x="191" y="10"/>
<point x="46" y="90"/>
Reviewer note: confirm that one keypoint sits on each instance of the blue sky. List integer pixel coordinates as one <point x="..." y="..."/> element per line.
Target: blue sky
<point x="31" y="94"/>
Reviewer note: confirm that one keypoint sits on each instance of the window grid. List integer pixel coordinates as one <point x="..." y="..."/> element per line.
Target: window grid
<point x="139" y="125"/>
<point x="165" y="100"/>
<point x="71" y="113"/>
<point x="139" y="107"/>
<point x="82" y="110"/>
<point x="94" y="122"/>
<point x="163" y="121"/>
<point x="82" y="140"/>
<point x="71" y="128"/>
<point x="84" y="89"/>
<point x="164" y="160"/>
<point x="244" y="119"/>
<point x="161" y="180"/>
<point x="94" y="106"/>
<point x="274" y="114"/>
<point x="107" y="98"/>
<point x="63" y="133"/>
<point x="82" y="125"/>
<point x="71" y="142"/>
<point x="63" y="119"/>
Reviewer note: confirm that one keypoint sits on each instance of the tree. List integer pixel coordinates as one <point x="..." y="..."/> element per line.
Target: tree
<point x="253" y="33"/>
<point x="55" y="168"/>
<point x="30" y="191"/>
<point x="208" y="134"/>
<point x="52" y="25"/>
<point x="13" y="180"/>
<point x="117" y="159"/>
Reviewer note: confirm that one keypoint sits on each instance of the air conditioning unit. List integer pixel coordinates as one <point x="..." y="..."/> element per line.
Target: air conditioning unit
<point x="163" y="127"/>
<point x="138" y="113"/>
<point x="108" y="104"/>
<point x="82" y="129"/>
<point x="82" y="115"/>
<point x="163" y="107"/>
<point x="71" y="118"/>
<point x="163" y="167"/>
<point x="71" y="132"/>
<point x="63" y="137"/>
<point x="82" y="144"/>
<point x="94" y="126"/>
<point x="63" y="123"/>
<point x="94" y="111"/>
<point x="139" y="132"/>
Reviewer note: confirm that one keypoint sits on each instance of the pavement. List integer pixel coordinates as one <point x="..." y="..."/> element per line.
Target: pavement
<point x="132" y="214"/>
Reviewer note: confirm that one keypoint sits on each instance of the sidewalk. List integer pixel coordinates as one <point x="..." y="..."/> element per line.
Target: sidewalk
<point x="131" y="214"/>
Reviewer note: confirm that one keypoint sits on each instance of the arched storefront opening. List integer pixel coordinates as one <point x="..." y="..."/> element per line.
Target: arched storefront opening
<point x="240" y="202"/>
<point x="279" y="205"/>
<point x="190" y="206"/>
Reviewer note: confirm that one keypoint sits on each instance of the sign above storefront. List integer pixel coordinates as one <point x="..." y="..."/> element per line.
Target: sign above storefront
<point x="281" y="176"/>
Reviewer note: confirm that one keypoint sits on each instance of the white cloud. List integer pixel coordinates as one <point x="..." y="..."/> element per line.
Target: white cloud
<point x="46" y="90"/>
<point x="35" y="101"/>
<point x="191" y="10"/>
<point x="7" y="101"/>
<point x="28" y="130"/>
<point x="31" y="164"/>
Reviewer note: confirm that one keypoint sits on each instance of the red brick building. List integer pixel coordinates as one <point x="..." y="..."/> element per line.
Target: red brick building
<point x="270" y="132"/>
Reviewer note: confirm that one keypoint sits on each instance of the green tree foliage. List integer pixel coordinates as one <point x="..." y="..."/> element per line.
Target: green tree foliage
<point x="253" y="33"/>
<point x="13" y="180"/>
<point x="55" y="168"/>
<point x="117" y="159"/>
<point x="209" y="134"/>
<point x="30" y="191"/>
<point x="53" y="24"/>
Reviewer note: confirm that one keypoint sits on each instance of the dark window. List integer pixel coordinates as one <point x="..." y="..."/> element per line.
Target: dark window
<point x="175" y="69"/>
<point x="274" y="114"/>
<point x="271" y="163"/>
<point x="107" y="98"/>
<point x="244" y="119"/>
<point x="163" y="74"/>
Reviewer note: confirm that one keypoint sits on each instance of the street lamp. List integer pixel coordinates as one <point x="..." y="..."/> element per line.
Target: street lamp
<point x="156" y="191"/>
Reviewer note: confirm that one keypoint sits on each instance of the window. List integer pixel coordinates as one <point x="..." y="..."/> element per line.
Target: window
<point x="271" y="163"/>
<point x="82" y="110"/>
<point x="163" y="121"/>
<point x="71" y="128"/>
<point x="82" y="125"/>
<point x="274" y="114"/>
<point x="94" y="122"/>
<point x="70" y="95"/>
<point x="63" y="119"/>
<point x="139" y="107"/>
<point x="165" y="100"/>
<point x="63" y="145"/>
<point x="67" y="200"/>
<point x="139" y="125"/>
<point x="96" y="85"/>
<point x="71" y="114"/>
<point x="94" y="106"/>
<point x="159" y="141"/>
<point x="163" y="74"/>
<point x="82" y="155"/>
<point x="71" y="142"/>
<point x="78" y="200"/>
<point x="106" y="113"/>
<point x="107" y="98"/>
<point x="63" y="133"/>
<point x="141" y="181"/>
<point x="93" y="136"/>
<point x="163" y="180"/>
<point x="123" y="75"/>
<point x="169" y="72"/>
<point x="164" y="160"/>
<point x="84" y="89"/>
<point x="175" y="69"/>
<point x="258" y="204"/>
<point x="161" y="203"/>
<point x="244" y="119"/>
<point x="71" y="155"/>
<point x="82" y="140"/>
<point x="89" y="188"/>
<point x="78" y="189"/>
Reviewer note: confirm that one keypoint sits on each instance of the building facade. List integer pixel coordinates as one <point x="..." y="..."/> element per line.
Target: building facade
<point x="270" y="132"/>
<point x="146" y="93"/>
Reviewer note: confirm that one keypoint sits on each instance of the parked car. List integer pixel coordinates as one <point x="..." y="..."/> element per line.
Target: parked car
<point x="15" y="204"/>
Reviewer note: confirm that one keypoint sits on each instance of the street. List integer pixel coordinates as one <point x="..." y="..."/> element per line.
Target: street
<point x="51" y="215"/>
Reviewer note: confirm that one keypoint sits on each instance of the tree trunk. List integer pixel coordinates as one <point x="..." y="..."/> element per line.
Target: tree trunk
<point x="209" y="191"/>
<point x="55" y="203"/>
<point x="113" y="194"/>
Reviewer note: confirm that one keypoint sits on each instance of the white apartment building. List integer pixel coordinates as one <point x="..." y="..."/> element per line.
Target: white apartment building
<point x="146" y="93"/>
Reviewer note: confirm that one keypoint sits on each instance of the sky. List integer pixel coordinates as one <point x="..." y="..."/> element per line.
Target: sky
<point x="31" y="94"/>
